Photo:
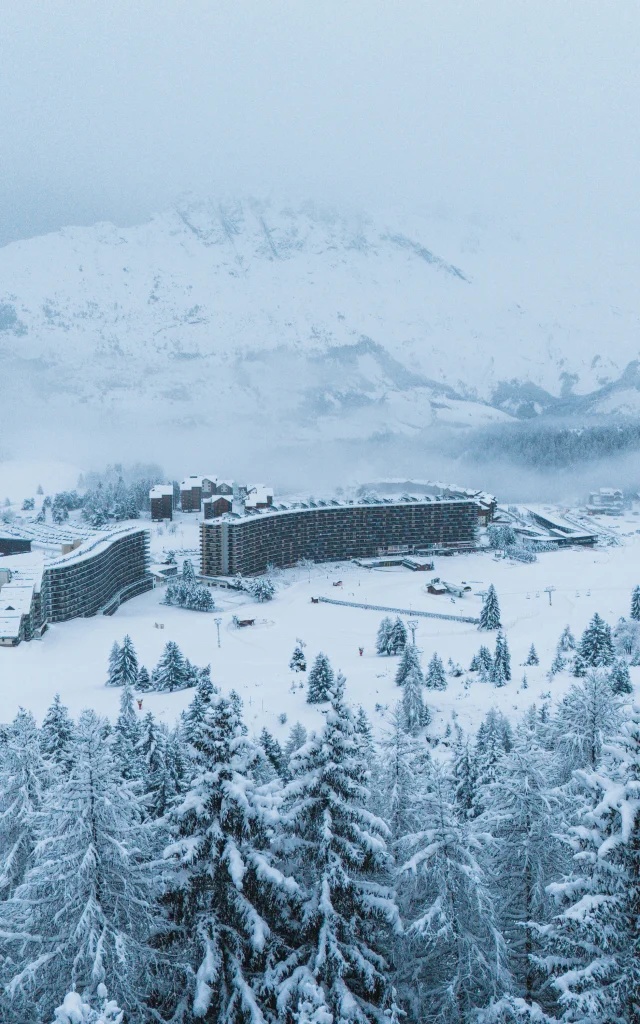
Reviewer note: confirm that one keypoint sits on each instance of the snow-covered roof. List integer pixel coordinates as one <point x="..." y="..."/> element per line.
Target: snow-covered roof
<point x="258" y="494"/>
<point x="306" y="506"/>
<point x="161" y="491"/>
<point x="191" y="481"/>
<point x="93" y="546"/>
<point x="217" y="497"/>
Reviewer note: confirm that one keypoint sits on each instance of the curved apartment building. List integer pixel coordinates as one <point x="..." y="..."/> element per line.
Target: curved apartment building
<point x="98" y="576"/>
<point x="333" y="531"/>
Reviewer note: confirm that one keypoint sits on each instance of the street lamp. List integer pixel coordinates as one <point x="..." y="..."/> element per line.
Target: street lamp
<point x="217" y="622"/>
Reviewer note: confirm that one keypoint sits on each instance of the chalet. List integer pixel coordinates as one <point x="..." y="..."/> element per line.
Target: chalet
<point x="259" y="496"/>
<point x="161" y="497"/>
<point x="191" y="494"/>
<point x="436" y="587"/>
<point x="216" y="506"/>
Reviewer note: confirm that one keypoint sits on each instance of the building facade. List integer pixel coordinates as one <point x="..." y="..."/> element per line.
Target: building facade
<point x="97" y="577"/>
<point x="330" y="531"/>
<point x="161" y="498"/>
<point x="10" y="545"/>
<point x="191" y="494"/>
<point x="216" y="506"/>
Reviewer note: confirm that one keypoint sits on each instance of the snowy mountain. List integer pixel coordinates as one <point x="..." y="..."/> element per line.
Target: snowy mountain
<point x="280" y="318"/>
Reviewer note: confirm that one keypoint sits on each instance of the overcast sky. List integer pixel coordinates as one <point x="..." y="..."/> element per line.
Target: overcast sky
<point x="109" y="109"/>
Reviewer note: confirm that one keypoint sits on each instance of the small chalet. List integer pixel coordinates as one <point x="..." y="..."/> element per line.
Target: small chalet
<point x="436" y="587"/>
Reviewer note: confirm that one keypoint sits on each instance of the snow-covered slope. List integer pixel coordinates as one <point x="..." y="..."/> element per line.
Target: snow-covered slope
<point x="278" y="316"/>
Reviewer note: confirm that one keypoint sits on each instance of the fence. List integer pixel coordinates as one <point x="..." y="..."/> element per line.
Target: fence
<point x="401" y="611"/>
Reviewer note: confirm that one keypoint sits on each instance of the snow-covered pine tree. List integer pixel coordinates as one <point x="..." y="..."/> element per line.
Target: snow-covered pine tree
<point x="113" y="675"/>
<point x="436" y="676"/>
<point x="567" y="641"/>
<point x="144" y="681"/>
<point x="532" y="657"/>
<point x="296" y="739"/>
<point x="127" y="670"/>
<point x="24" y="776"/>
<point x="585" y="719"/>
<point x="126" y="736"/>
<point x="558" y="663"/>
<point x="492" y="741"/>
<point x="403" y="762"/>
<point x="490" y="612"/>
<point x="523" y="813"/>
<point x="635" y="604"/>
<point x="188" y="572"/>
<point x="383" y="637"/>
<point x="191" y="674"/>
<point x="397" y="636"/>
<point x="274" y="753"/>
<point x="593" y="943"/>
<point x="56" y="736"/>
<point x="226" y="893"/>
<point x="502" y="657"/>
<point x="339" y="851"/>
<point x="409" y="662"/>
<point x="414" y="713"/>
<point x="320" y="680"/>
<point x="86" y="908"/>
<point x="170" y="672"/>
<point x="365" y="733"/>
<point x="464" y="771"/>
<point x="159" y="789"/>
<point x="619" y="677"/>
<point x="74" y="1009"/>
<point x="298" y="661"/>
<point x="458" y="962"/>
<point x="596" y="644"/>
<point x="262" y="588"/>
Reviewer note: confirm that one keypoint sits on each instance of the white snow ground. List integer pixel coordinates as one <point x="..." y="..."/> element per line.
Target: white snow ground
<point x="72" y="657"/>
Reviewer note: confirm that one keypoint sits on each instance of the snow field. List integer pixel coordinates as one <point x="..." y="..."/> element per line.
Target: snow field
<point x="72" y="657"/>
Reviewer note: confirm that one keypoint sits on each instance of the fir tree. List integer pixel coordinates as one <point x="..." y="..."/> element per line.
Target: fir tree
<point x="86" y="907"/>
<point x="226" y="890"/>
<point x="74" y="1009"/>
<point x="465" y="777"/>
<point x="56" y="736"/>
<point x="113" y="678"/>
<point x="188" y="572"/>
<point x="635" y="604"/>
<point x="23" y="779"/>
<point x="383" y="637"/>
<point x="409" y="662"/>
<point x="596" y="644"/>
<point x="593" y="942"/>
<point x="320" y="681"/>
<point x="144" y="681"/>
<point x="490" y="613"/>
<point x="274" y="753"/>
<point x="414" y="713"/>
<point x="298" y="661"/>
<point x="170" y="672"/>
<point x="127" y="664"/>
<point x="365" y="733"/>
<point x="458" y="966"/>
<point x="587" y="716"/>
<point x="403" y="763"/>
<point x="523" y="814"/>
<point x="339" y="851"/>
<point x="436" y="678"/>
<point x="296" y="739"/>
<point x="619" y="677"/>
<point x="501" y="661"/>
<point x="159" y="786"/>
<point x="398" y="636"/>
<point x="126" y="736"/>
<point x="558" y="663"/>
<point x="567" y="642"/>
<point x="532" y="657"/>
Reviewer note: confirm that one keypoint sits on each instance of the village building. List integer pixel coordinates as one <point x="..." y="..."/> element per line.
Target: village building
<point x="11" y="544"/>
<point x="21" y="614"/>
<point x="608" y="501"/>
<point x="216" y="506"/>
<point x="191" y="494"/>
<point x="327" y="531"/>
<point x="161" y="498"/>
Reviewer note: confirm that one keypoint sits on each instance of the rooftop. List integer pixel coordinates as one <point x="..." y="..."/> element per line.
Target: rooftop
<point x="307" y="506"/>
